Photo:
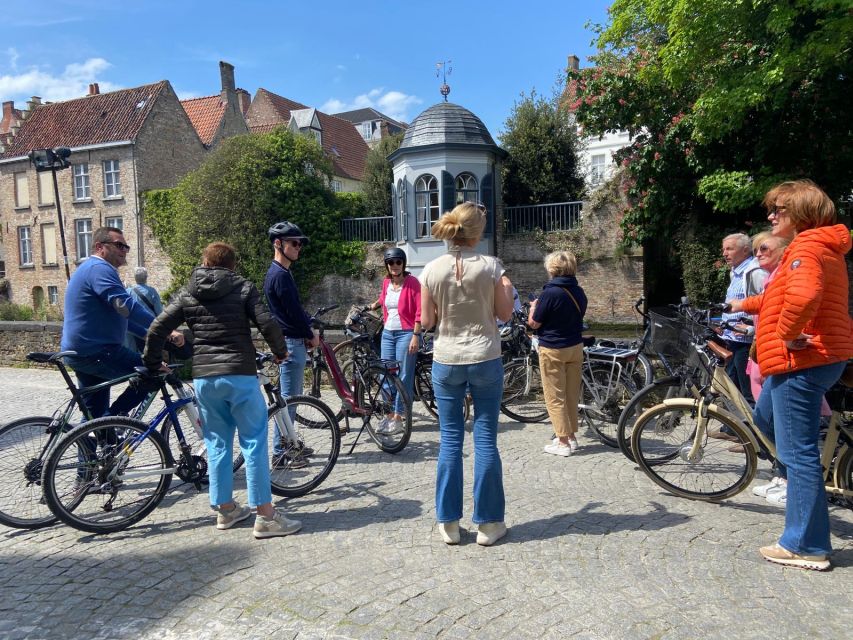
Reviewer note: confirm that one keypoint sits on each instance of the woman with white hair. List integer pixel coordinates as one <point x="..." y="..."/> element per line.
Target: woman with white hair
<point x="557" y="316"/>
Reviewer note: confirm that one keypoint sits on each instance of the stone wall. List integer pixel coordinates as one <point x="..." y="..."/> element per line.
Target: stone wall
<point x="17" y="339"/>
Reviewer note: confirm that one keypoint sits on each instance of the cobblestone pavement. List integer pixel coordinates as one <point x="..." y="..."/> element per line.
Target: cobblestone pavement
<point x="595" y="550"/>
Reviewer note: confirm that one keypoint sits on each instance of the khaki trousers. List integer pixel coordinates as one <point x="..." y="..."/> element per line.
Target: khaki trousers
<point x="561" y="384"/>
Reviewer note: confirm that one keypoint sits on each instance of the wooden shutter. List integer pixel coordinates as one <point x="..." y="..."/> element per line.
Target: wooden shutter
<point x="487" y="193"/>
<point x="448" y="192"/>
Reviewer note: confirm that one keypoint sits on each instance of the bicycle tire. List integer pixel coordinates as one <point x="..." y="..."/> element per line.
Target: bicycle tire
<point x="521" y="393"/>
<point x="662" y="438"/>
<point x="601" y="412"/>
<point x="318" y="431"/>
<point x="23" y="443"/>
<point x="74" y="488"/>
<point x="425" y="392"/>
<point x="646" y="398"/>
<point x="844" y="476"/>
<point x="644" y="371"/>
<point x="380" y="403"/>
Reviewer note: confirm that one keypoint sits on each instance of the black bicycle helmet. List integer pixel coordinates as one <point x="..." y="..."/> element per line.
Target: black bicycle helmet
<point x="395" y="253"/>
<point x="286" y="230"/>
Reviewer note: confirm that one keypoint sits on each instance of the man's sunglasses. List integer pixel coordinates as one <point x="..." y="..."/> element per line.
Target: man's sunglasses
<point x="120" y="245"/>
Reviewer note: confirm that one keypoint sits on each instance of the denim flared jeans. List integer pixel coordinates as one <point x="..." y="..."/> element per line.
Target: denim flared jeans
<point x="484" y="380"/>
<point x="229" y="404"/>
<point x="791" y="403"/>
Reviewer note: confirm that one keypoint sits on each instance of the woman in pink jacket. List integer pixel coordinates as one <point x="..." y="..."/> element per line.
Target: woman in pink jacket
<point x="401" y="311"/>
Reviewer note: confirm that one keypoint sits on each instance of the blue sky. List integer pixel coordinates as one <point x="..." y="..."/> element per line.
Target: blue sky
<point x="333" y="55"/>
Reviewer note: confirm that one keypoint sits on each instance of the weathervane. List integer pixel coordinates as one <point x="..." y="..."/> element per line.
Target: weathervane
<point x="443" y="69"/>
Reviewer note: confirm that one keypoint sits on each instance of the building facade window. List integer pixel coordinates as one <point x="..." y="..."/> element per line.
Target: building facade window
<point x="22" y="190"/>
<point x="466" y="188"/>
<point x="82" y="188"/>
<point x="114" y="221"/>
<point x="596" y="169"/>
<point x="337" y="186"/>
<point x="48" y="244"/>
<point x="112" y="179"/>
<point x="427" y="208"/>
<point x="45" y="179"/>
<point x="25" y="246"/>
<point x="83" y="235"/>
<point x="367" y="130"/>
<point x="52" y="294"/>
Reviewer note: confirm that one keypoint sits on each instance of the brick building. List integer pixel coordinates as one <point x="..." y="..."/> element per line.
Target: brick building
<point x="122" y="143"/>
<point x="343" y="145"/>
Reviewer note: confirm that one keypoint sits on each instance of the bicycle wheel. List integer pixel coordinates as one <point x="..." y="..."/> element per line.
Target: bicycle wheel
<point x="644" y="371"/>
<point x="604" y="395"/>
<point x="375" y="392"/>
<point x="523" y="398"/>
<point x="662" y="441"/>
<point x="646" y="398"/>
<point x="426" y="394"/>
<point x="301" y="465"/>
<point x="93" y="483"/>
<point x="844" y="476"/>
<point x="22" y="447"/>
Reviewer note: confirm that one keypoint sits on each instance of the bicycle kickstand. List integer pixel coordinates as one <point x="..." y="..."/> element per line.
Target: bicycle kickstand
<point x="358" y="435"/>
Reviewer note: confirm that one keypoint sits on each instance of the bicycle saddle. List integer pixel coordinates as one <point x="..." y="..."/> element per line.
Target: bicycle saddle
<point x="49" y="356"/>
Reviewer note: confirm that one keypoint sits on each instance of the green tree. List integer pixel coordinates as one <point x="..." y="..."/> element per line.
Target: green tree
<point x="724" y="98"/>
<point x="239" y="191"/>
<point x="378" y="177"/>
<point x="542" y="164"/>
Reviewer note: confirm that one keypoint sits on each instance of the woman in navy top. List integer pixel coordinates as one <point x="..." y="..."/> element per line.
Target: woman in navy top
<point x="557" y="317"/>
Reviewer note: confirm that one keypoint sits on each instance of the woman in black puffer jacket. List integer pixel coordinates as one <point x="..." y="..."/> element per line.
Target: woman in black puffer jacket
<point x="220" y="308"/>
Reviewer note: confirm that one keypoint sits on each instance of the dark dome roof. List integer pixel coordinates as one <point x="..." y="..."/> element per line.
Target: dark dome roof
<point x="446" y="123"/>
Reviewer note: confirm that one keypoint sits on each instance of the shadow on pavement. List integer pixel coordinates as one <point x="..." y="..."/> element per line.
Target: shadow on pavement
<point x="589" y="520"/>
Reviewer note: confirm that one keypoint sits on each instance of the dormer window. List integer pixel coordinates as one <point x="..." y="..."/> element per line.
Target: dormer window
<point x="367" y="130"/>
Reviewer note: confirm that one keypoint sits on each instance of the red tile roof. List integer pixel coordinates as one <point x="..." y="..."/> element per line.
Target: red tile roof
<point x="95" y="119"/>
<point x="11" y="118"/>
<point x="341" y="142"/>
<point x="206" y="115"/>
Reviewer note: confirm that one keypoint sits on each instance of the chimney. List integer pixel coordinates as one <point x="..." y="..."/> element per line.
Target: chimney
<point x="33" y="102"/>
<point x="574" y="63"/>
<point x="94" y="89"/>
<point x="226" y="73"/>
<point x="8" y="108"/>
<point x="244" y="99"/>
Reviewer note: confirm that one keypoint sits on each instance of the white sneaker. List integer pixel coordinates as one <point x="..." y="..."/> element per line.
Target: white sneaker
<point x="563" y="450"/>
<point x="449" y="532"/>
<point x="382" y="427"/>
<point x="278" y="525"/>
<point x="573" y="444"/>
<point x="394" y="426"/>
<point x="762" y="489"/>
<point x="778" y="495"/>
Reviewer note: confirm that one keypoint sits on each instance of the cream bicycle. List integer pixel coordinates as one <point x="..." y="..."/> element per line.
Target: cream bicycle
<point x="672" y="446"/>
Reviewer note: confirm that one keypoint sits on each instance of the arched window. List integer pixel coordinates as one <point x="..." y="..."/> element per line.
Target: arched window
<point x="427" y="210"/>
<point x="401" y="210"/>
<point x="466" y="188"/>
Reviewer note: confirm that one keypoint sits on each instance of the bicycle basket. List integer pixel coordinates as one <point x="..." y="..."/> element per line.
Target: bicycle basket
<point x="362" y="323"/>
<point x="671" y="334"/>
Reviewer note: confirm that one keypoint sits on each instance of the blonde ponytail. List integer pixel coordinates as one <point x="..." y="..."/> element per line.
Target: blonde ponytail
<point x="464" y="224"/>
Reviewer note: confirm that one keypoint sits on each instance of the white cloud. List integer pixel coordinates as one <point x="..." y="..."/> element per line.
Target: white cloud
<point x="71" y="83"/>
<point x="12" y="52"/>
<point x="395" y="104"/>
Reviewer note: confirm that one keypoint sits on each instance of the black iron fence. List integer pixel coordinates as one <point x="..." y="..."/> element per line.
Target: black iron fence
<point x="377" y="229"/>
<point x="558" y="216"/>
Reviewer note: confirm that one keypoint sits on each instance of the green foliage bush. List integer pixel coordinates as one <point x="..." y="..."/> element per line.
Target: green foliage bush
<point x="9" y="311"/>
<point x="240" y="190"/>
<point x="378" y="177"/>
<point x="706" y="276"/>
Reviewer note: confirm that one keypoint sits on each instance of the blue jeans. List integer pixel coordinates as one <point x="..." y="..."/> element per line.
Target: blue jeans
<point x="791" y="402"/>
<point x="395" y="346"/>
<point x="737" y="368"/>
<point x="485" y="382"/>
<point x="112" y="361"/>
<point x="292" y="378"/>
<point x="228" y="404"/>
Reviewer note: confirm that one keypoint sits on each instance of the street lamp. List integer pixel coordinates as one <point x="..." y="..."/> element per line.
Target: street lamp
<point x="51" y="160"/>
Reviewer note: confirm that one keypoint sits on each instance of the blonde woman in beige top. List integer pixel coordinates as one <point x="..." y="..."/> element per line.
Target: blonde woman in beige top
<point x="461" y="293"/>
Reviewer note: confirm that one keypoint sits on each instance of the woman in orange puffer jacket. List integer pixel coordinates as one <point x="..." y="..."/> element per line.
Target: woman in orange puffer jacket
<point x="804" y="339"/>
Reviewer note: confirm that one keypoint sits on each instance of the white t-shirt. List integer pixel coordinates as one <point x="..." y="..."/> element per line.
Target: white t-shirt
<point x="392" y="304"/>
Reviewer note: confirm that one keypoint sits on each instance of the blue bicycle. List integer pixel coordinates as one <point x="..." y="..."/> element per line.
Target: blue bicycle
<point x="107" y="474"/>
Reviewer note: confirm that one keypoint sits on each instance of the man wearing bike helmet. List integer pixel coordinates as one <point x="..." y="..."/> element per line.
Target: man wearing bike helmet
<point x="283" y="299"/>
